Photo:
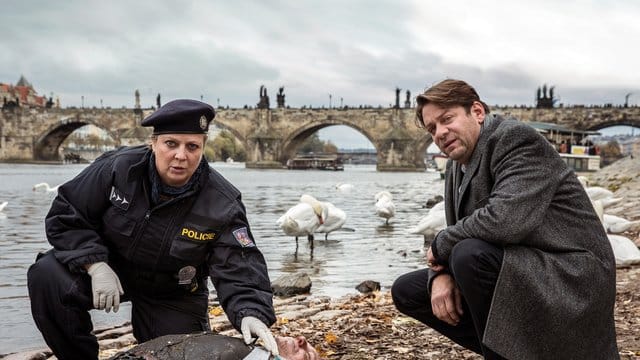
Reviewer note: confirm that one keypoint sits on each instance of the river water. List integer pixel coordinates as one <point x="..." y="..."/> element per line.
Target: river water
<point x="374" y="251"/>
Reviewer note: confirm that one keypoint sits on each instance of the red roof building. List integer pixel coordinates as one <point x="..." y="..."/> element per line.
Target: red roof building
<point x="21" y="94"/>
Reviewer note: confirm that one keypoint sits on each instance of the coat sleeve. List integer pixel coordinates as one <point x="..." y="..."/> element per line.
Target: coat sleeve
<point x="523" y="173"/>
<point x="74" y="218"/>
<point x="239" y="272"/>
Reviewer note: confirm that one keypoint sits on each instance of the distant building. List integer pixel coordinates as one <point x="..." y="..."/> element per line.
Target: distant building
<point x="22" y="94"/>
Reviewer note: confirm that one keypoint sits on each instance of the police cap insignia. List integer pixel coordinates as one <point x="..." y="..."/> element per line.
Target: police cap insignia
<point x="181" y="116"/>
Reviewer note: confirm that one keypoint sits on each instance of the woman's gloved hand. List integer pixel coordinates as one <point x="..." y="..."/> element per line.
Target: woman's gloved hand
<point x="105" y="286"/>
<point x="251" y="325"/>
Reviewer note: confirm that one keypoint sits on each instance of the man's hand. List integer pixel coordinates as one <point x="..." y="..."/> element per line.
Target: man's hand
<point x="251" y="325"/>
<point x="106" y="287"/>
<point x="446" y="301"/>
<point x="432" y="262"/>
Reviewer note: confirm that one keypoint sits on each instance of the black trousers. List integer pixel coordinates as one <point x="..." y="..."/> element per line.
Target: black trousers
<point x="474" y="265"/>
<point x="61" y="300"/>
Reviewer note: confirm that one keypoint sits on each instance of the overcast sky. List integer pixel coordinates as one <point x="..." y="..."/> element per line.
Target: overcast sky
<point x="356" y="51"/>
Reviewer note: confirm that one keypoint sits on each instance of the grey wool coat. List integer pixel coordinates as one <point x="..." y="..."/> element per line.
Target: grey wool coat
<point x="556" y="289"/>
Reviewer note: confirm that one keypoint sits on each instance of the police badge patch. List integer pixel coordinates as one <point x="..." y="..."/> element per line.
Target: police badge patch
<point x="242" y="236"/>
<point x="203" y="122"/>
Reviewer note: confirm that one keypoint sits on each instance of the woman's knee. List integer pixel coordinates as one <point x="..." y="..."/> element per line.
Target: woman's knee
<point x="47" y="276"/>
<point x="42" y="272"/>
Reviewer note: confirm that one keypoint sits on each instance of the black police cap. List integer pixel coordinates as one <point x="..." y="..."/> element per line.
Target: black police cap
<point x="181" y="116"/>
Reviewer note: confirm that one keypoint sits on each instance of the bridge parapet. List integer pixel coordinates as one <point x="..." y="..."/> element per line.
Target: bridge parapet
<point x="577" y="117"/>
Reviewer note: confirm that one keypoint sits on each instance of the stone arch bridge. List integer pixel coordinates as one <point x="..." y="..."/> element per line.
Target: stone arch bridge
<point x="271" y="136"/>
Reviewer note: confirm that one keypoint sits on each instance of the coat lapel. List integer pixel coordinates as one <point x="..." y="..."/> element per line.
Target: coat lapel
<point x="488" y="127"/>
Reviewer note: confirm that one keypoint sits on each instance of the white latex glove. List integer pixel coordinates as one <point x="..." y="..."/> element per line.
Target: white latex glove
<point x="105" y="286"/>
<point x="251" y="325"/>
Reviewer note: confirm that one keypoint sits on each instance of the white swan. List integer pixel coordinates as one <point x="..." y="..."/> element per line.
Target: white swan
<point x="624" y="250"/>
<point x="615" y="224"/>
<point x="45" y="186"/>
<point x="333" y="218"/>
<point x="430" y="224"/>
<point x="609" y="201"/>
<point x="599" y="208"/>
<point x="598" y="192"/>
<point x="301" y="220"/>
<point x="344" y="188"/>
<point x="583" y="180"/>
<point x="3" y="205"/>
<point x="385" y="208"/>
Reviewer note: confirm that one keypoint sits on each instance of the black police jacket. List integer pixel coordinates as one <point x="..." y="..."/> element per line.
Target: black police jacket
<point x="105" y="214"/>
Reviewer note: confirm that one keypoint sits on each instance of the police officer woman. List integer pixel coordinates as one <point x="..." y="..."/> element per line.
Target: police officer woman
<point x="149" y="225"/>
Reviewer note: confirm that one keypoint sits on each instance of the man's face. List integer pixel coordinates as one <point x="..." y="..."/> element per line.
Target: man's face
<point x="296" y="349"/>
<point x="177" y="156"/>
<point x="454" y="130"/>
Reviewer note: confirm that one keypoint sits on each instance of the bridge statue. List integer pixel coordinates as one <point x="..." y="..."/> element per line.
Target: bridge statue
<point x="264" y="98"/>
<point x="280" y="97"/>
<point x="137" y="95"/>
<point x="544" y="101"/>
<point x="407" y="102"/>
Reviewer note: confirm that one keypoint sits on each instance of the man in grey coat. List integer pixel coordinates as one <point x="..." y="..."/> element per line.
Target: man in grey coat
<point x="524" y="269"/>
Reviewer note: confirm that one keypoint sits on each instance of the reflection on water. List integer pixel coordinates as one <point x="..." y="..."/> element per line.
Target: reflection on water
<point x="373" y="251"/>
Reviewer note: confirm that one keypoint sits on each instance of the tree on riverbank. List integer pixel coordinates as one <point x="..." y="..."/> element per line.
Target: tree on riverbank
<point x="225" y="146"/>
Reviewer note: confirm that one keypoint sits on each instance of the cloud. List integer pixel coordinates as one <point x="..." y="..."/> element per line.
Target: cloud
<point x="358" y="51"/>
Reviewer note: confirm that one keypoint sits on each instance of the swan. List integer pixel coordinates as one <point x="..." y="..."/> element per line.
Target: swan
<point x="3" y="205"/>
<point x="385" y="208"/>
<point x="583" y="180"/>
<point x="344" y="188"/>
<point x="599" y="208"/>
<point x="598" y="192"/>
<point x="610" y="201"/>
<point x="300" y="220"/>
<point x="624" y="250"/>
<point x="615" y="224"/>
<point x="430" y="224"/>
<point x="46" y="186"/>
<point x="332" y="217"/>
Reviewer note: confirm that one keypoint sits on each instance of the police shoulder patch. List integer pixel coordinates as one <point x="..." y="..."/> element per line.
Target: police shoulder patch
<point x="242" y="236"/>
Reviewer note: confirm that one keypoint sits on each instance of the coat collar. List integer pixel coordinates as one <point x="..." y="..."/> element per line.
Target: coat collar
<point x="138" y="169"/>
<point x="489" y="125"/>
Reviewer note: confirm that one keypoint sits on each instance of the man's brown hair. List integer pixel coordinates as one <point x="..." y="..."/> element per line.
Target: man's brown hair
<point x="447" y="94"/>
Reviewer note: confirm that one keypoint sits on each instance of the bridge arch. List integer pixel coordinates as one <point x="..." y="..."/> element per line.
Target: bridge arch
<point x="231" y="129"/>
<point x="298" y="136"/>
<point x="635" y="122"/>
<point x="47" y="144"/>
<point x="423" y="143"/>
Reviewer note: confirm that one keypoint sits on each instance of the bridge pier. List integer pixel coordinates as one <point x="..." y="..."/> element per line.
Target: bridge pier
<point x="398" y="151"/>
<point x="263" y="151"/>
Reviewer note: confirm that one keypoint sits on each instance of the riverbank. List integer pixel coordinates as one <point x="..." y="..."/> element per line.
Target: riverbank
<point x="369" y="327"/>
<point x="359" y="327"/>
